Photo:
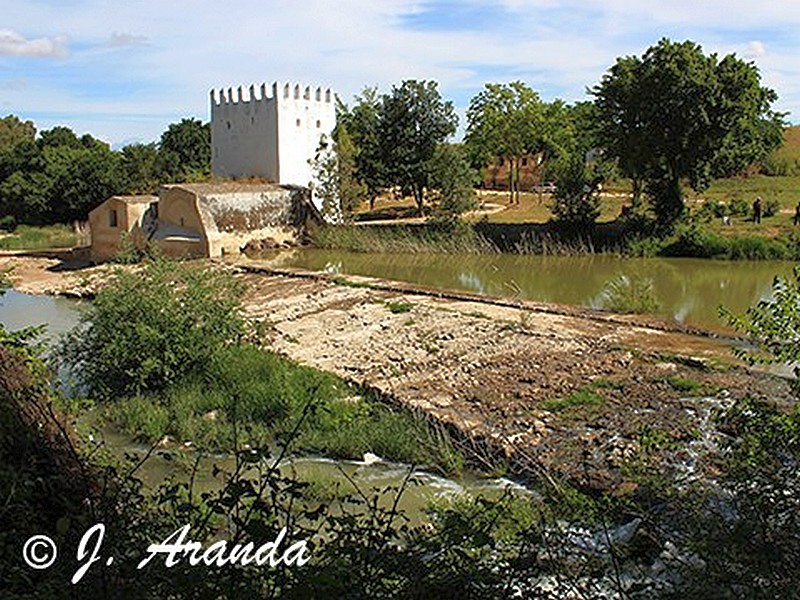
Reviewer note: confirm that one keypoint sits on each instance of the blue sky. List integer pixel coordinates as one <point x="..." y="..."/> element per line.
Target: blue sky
<point x="124" y="70"/>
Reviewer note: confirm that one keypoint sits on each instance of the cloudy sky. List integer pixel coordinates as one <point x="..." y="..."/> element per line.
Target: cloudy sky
<point x="123" y="70"/>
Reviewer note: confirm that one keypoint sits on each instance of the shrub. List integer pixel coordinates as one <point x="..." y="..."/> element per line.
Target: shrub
<point x="772" y="207"/>
<point x="150" y="328"/>
<point x="8" y="223"/>
<point x="739" y="207"/>
<point x="630" y="295"/>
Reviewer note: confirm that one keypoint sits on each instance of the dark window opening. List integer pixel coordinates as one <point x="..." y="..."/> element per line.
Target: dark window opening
<point x="112" y="218"/>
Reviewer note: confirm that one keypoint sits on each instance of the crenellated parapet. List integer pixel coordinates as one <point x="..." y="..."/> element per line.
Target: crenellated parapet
<point x="283" y="93"/>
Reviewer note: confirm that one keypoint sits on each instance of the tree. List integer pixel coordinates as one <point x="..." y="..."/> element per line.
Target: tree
<point x="506" y="121"/>
<point x="149" y="329"/>
<point x="412" y="122"/>
<point x="676" y="114"/>
<point x="185" y="150"/>
<point x="13" y="131"/>
<point x="576" y="205"/>
<point x="140" y="167"/>
<point x="453" y="180"/>
<point x="362" y="123"/>
<point x="334" y="168"/>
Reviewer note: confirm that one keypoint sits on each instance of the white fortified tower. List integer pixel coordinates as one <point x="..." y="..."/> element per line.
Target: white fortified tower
<point x="270" y="137"/>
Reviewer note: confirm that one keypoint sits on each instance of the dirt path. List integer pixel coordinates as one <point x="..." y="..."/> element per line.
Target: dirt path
<point x="541" y="385"/>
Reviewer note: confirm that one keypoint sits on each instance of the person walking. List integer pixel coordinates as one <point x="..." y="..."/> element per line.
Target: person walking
<point x="757" y="210"/>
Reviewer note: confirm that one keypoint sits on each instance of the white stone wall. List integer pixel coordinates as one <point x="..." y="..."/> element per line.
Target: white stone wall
<point x="269" y="135"/>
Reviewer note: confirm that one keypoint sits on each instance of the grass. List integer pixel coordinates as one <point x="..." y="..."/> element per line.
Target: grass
<point x="685" y="385"/>
<point x="582" y="398"/>
<point x="407" y="239"/>
<point x="398" y="308"/>
<point x="27" y="237"/>
<point x="265" y="396"/>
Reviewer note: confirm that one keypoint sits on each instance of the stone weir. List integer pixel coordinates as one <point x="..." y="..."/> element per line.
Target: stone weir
<point x="543" y="388"/>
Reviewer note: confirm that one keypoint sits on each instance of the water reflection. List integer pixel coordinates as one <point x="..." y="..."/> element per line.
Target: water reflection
<point x="688" y="290"/>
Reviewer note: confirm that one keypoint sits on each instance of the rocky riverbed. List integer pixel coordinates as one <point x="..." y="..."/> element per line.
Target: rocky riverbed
<point x="543" y="388"/>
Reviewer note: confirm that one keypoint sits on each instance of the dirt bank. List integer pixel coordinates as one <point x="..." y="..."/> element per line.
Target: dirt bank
<point x="572" y="390"/>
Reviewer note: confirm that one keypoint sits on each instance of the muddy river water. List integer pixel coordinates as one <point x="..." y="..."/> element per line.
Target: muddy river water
<point x="688" y="290"/>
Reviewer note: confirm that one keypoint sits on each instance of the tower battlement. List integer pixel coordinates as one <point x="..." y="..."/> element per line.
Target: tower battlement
<point x="282" y="93"/>
<point x="270" y="131"/>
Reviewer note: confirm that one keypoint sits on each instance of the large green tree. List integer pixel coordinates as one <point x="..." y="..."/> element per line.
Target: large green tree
<point x="185" y="150"/>
<point x="13" y="131"/>
<point x="362" y="124"/>
<point x="677" y="114"/>
<point x="507" y="121"/>
<point x="413" y="121"/>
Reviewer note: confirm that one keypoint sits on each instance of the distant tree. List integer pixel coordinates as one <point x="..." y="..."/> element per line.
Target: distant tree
<point x="506" y="121"/>
<point x="185" y="150"/>
<point x="676" y="114"/>
<point x="413" y="121"/>
<point x="140" y="167"/>
<point x="334" y="168"/>
<point x="13" y="131"/>
<point x="576" y="203"/>
<point x="58" y="137"/>
<point x="80" y="179"/>
<point x="452" y="181"/>
<point x="362" y="124"/>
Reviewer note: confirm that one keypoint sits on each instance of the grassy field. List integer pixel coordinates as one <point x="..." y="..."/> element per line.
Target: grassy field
<point x="535" y="208"/>
<point x="28" y="237"/>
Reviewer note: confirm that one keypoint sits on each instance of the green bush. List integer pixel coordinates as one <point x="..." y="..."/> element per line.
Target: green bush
<point x="8" y="223"/>
<point x="739" y="207"/>
<point x="149" y="328"/>
<point x="630" y="295"/>
<point x="772" y="207"/>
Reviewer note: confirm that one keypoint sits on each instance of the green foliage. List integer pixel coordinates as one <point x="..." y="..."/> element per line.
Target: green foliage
<point x="362" y="122"/>
<point x="397" y="308"/>
<point x="412" y="122"/>
<point x="140" y="165"/>
<point x="509" y="121"/>
<point x="265" y="396"/>
<point x="676" y="113"/>
<point x="452" y="180"/>
<point x="184" y="152"/>
<point x="773" y="325"/>
<point x="13" y="131"/>
<point x="633" y="294"/>
<point x="149" y="329"/>
<point x="576" y="204"/>
<point x="335" y="176"/>
<point x="771" y="207"/>
<point x="60" y="177"/>
<point x="403" y="239"/>
<point x="684" y="384"/>
<point x="583" y="397"/>
<point x="26" y="237"/>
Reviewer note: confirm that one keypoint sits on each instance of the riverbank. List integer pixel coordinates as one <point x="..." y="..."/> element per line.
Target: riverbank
<point x="547" y="388"/>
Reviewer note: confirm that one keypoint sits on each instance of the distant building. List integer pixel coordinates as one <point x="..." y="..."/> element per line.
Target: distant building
<point x="203" y="219"/>
<point x="117" y="217"/>
<point x="495" y="175"/>
<point x="273" y="136"/>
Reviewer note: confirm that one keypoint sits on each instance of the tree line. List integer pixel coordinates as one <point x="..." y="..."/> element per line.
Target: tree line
<point x="670" y="117"/>
<point x="58" y="177"/>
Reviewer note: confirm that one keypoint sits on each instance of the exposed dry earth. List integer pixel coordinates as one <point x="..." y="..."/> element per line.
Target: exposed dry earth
<point x="547" y="387"/>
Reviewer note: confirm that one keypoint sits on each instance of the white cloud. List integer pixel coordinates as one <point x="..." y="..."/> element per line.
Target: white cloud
<point x="121" y="40"/>
<point x="191" y="46"/>
<point x="14" y="44"/>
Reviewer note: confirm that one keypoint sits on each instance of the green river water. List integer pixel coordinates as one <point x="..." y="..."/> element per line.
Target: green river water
<point x="688" y="290"/>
